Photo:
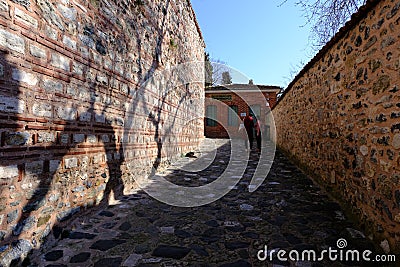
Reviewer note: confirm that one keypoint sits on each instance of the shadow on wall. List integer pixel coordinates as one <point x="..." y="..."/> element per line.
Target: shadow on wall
<point x="34" y="192"/>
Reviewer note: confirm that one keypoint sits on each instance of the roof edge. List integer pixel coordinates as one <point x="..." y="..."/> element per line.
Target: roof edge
<point x="355" y="19"/>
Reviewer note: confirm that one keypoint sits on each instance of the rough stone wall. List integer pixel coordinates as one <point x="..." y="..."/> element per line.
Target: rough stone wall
<point x="79" y="118"/>
<point x="340" y="118"/>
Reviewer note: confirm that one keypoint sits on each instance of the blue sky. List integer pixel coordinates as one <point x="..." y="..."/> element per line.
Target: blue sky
<point x="259" y="38"/>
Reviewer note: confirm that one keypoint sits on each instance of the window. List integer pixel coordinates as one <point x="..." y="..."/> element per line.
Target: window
<point x="211" y="115"/>
<point x="232" y="115"/>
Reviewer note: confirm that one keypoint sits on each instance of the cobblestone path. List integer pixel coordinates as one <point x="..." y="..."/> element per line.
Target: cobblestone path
<point x="287" y="212"/>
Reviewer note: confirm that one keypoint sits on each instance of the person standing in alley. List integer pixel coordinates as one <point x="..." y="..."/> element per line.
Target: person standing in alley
<point x="257" y="128"/>
<point x="249" y="125"/>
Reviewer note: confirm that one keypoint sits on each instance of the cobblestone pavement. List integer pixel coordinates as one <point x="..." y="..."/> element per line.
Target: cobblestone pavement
<point x="287" y="212"/>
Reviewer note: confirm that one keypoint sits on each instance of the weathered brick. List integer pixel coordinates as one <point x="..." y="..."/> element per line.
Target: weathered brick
<point x="12" y="41"/>
<point x="25" y="77"/>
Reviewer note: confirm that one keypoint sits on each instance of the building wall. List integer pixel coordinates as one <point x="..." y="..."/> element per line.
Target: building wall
<point x="340" y="118"/>
<point x="79" y="118"/>
<point x="219" y="130"/>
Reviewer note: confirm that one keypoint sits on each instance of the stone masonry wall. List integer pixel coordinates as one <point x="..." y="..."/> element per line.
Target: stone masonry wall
<point x="79" y="117"/>
<point x="340" y="118"/>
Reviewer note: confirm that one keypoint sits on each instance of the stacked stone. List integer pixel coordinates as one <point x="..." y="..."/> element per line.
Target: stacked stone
<point x="340" y="118"/>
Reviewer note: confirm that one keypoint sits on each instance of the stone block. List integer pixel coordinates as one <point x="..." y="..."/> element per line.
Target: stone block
<point x="9" y="171"/>
<point x="67" y="12"/>
<point x="79" y="138"/>
<point x="22" y="16"/>
<point x="45" y="137"/>
<point x="24" y="77"/>
<point x="12" y="41"/>
<point x="34" y="167"/>
<point x="66" y="113"/>
<point x="16" y="139"/>
<point x="64" y="138"/>
<point x="53" y="86"/>
<point x="4" y="7"/>
<point x="71" y="163"/>
<point x="396" y="141"/>
<point x="91" y="138"/>
<point x="100" y="118"/>
<point x="77" y="68"/>
<point x="37" y="52"/>
<point x="50" y="32"/>
<point x="60" y="61"/>
<point x="85" y="116"/>
<point x="54" y="165"/>
<point x="68" y="42"/>
<point x="42" y="110"/>
<point x="11" y="104"/>
<point x="12" y="216"/>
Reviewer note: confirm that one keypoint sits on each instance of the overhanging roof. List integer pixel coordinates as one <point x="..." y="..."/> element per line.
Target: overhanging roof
<point x="243" y="88"/>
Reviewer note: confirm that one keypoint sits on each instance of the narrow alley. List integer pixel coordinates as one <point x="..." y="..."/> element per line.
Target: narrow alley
<point x="288" y="212"/>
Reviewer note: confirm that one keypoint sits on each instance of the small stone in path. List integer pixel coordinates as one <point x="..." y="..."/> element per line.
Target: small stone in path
<point x="81" y="257"/>
<point x="173" y="252"/>
<point x="239" y="263"/>
<point x="132" y="260"/>
<point x="106" y="213"/>
<point x="105" y="245"/>
<point x="125" y="226"/>
<point x="80" y="235"/>
<point x="54" y="255"/>
<point x="108" y="262"/>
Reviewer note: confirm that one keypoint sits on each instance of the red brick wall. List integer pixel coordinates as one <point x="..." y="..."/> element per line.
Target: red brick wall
<point x="219" y="130"/>
<point x="78" y="117"/>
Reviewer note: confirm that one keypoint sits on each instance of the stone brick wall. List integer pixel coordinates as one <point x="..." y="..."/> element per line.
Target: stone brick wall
<point x="79" y="117"/>
<point x="340" y="118"/>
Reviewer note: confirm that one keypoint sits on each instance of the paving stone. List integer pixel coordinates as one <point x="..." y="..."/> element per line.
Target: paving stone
<point x="81" y="257"/>
<point x="174" y="252"/>
<point x="109" y="262"/>
<point x="81" y="235"/>
<point x="105" y="245"/>
<point x="54" y="255"/>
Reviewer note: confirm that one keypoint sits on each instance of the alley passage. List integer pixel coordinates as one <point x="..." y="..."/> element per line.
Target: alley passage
<point x="287" y="212"/>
